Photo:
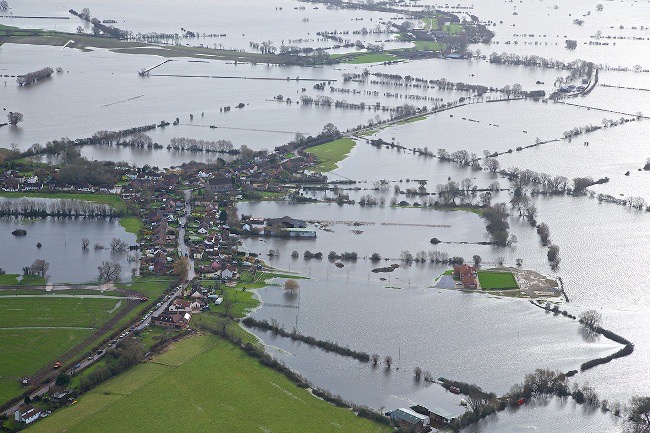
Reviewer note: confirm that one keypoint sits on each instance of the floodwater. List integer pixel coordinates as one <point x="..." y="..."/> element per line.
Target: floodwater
<point x="61" y="247"/>
<point x="492" y="342"/>
<point x="483" y="340"/>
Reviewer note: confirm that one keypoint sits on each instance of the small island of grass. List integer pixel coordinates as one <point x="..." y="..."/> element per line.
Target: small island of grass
<point x="329" y="154"/>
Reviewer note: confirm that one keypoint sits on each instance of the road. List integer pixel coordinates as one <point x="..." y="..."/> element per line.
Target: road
<point x="182" y="248"/>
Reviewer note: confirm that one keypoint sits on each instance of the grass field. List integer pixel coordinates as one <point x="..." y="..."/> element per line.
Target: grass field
<point x="430" y="23"/>
<point x="35" y="331"/>
<point x="329" y="154"/>
<point x="202" y="384"/>
<point x="411" y="120"/>
<point x="26" y="280"/>
<point x="131" y="224"/>
<point x="45" y="310"/>
<point x="429" y="45"/>
<point x="112" y="200"/>
<point x="371" y="58"/>
<point x="497" y="280"/>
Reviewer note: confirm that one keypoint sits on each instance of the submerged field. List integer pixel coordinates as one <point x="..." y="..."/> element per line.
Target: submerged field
<point x="202" y="384"/>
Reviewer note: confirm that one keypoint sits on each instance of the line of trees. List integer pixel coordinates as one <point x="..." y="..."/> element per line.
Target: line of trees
<point x="194" y="145"/>
<point x="127" y="353"/>
<point x="58" y="208"/>
<point x="32" y="77"/>
<point x="294" y="335"/>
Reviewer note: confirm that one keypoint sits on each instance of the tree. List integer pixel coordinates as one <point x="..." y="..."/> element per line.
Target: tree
<point x="599" y="7"/>
<point x="388" y="360"/>
<point x="591" y="319"/>
<point x="14" y="117"/>
<point x="330" y="130"/>
<point x="374" y="358"/>
<point x="477" y="260"/>
<point x="118" y="245"/>
<point x="639" y="413"/>
<point x="406" y="256"/>
<point x="39" y="267"/>
<point x="80" y="30"/>
<point x="84" y="243"/>
<point x="180" y="267"/>
<point x="417" y="371"/>
<point x="223" y="216"/>
<point x="4" y="5"/>
<point x="375" y="257"/>
<point x="62" y="380"/>
<point x="109" y="271"/>
<point x="291" y="285"/>
<point x="553" y="253"/>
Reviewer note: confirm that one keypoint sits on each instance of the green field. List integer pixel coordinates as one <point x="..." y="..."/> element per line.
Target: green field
<point x="371" y="58"/>
<point x="35" y="331"/>
<point x="497" y="280"/>
<point x="202" y="384"/>
<point x="411" y="120"/>
<point x="26" y="280"/>
<point x="112" y="200"/>
<point x="131" y="224"/>
<point x="429" y="46"/>
<point x="330" y="153"/>
<point x="44" y="310"/>
<point x="430" y="23"/>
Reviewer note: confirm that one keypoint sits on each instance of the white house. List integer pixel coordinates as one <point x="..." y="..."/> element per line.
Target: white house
<point x="27" y="414"/>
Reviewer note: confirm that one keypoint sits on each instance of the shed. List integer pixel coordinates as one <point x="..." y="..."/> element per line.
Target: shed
<point x="405" y="416"/>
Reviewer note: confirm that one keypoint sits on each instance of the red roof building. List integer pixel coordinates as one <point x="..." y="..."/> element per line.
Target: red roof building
<point x="467" y="275"/>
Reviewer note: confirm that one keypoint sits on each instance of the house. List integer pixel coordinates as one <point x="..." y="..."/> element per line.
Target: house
<point x="175" y="321"/>
<point x="228" y="273"/>
<point x="467" y="276"/>
<point x="27" y="414"/>
<point x="219" y="185"/>
<point x="286" y="222"/>
<point x="180" y="305"/>
<point x="410" y="419"/>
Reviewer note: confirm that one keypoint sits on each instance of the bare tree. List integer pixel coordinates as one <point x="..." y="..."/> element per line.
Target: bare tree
<point x="118" y="245"/>
<point x="417" y="371"/>
<point x="109" y="271"/>
<point x="181" y="268"/>
<point x="4" y="5"/>
<point x="39" y="267"/>
<point x="374" y="358"/>
<point x="84" y="243"/>
<point x="388" y="360"/>
<point x="291" y="285"/>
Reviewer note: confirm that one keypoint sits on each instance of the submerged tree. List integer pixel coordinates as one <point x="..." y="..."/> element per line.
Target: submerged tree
<point x="109" y="271"/>
<point x="14" y="117"/>
<point x="291" y="285"/>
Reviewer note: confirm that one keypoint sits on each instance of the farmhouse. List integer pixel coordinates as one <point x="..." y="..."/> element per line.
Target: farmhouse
<point x="27" y="414"/>
<point x="175" y="321"/>
<point x="286" y="222"/>
<point x="410" y="419"/>
<point x="180" y="306"/>
<point x="467" y="275"/>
